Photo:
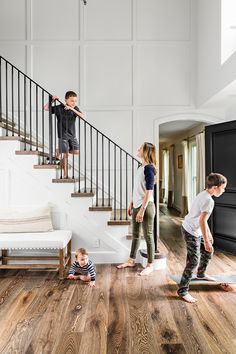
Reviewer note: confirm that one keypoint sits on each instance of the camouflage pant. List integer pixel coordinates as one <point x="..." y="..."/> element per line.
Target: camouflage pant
<point x="195" y="252"/>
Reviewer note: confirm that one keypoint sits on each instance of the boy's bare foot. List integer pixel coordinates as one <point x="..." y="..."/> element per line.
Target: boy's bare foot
<point x="226" y="287"/>
<point x="147" y="270"/>
<point x="188" y="298"/>
<point x="130" y="263"/>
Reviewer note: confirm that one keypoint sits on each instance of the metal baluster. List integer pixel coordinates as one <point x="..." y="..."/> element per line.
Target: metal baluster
<point x="155" y="219"/>
<point x="73" y="165"/>
<point x="85" y="158"/>
<point x="60" y="135"/>
<point x="114" y="181"/>
<point x="43" y="122"/>
<point x="25" y="113"/>
<point x="132" y="175"/>
<point x="12" y="99"/>
<point x="6" y="100"/>
<point x="91" y="159"/>
<point x="30" y="116"/>
<point x="97" y="169"/>
<point x="126" y="186"/>
<point x="120" y="184"/>
<point x="109" y="173"/>
<point x="50" y="129"/>
<point x="37" y="119"/>
<point x="79" y="159"/>
<point x="18" y="92"/>
<point x="102" y="170"/>
<point x="0" y="88"/>
<point x="55" y="137"/>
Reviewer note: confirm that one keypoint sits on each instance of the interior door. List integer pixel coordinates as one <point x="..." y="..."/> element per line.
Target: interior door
<point x="221" y="158"/>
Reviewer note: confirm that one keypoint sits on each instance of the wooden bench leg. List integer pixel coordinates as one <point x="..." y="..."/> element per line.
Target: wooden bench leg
<point x="62" y="263"/>
<point x="69" y="253"/>
<point x="4" y="254"/>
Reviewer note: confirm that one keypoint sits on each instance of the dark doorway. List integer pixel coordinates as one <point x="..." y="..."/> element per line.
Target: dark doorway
<point x="221" y="158"/>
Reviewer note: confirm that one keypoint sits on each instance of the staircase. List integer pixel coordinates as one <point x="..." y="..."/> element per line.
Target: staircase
<point x="93" y="201"/>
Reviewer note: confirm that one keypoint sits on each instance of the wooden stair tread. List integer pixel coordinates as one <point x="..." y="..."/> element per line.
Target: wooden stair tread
<point x="118" y="222"/>
<point x="47" y="167"/>
<point x="100" y="208"/>
<point x="65" y="180"/>
<point x="83" y="194"/>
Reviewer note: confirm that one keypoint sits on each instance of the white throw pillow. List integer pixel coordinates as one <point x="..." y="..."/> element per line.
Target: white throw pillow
<point x="26" y="219"/>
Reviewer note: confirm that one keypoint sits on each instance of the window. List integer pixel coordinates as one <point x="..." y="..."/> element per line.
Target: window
<point x="228" y="29"/>
<point x="193" y="171"/>
<point x="165" y="174"/>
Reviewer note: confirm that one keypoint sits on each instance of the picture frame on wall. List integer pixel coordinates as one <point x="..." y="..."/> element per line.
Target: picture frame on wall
<point x="180" y="161"/>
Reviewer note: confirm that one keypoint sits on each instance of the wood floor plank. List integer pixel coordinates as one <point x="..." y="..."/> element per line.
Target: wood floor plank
<point x="165" y="329"/>
<point x="124" y="314"/>
<point x="94" y="339"/>
<point x="118" y="327"/>
<point x="45" y="334"/>
<point x="75" y="318"/>
<point x="26" y="323"/>
<point x="69" y="343"/>
<point x="16" y="311"/>
<point x="142" y="338"/>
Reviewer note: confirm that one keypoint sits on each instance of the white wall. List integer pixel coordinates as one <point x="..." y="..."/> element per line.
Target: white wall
<point x="106" y="244"/>
<point x="128" y="59"/>
<point x="212" y="75"/>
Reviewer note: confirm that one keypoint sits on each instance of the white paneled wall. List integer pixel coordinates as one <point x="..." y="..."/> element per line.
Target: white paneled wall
<point x="124" y="57"/>
<point x="59" y="67"/>
<point x="108" y="20"/>
<point x="13" y="20"/>
<point x="162" y="74"/>
<point x="55" y="20"/>
<point x="108" y="75"/>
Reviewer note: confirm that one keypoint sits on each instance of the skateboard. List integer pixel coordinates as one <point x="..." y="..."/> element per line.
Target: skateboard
<point x="223" y="280"/>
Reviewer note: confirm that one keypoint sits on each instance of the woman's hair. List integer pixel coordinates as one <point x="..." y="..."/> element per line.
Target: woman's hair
<point x="215" y="179"/>
<point x="81" y="251"/>
<point x="149" y="154"/>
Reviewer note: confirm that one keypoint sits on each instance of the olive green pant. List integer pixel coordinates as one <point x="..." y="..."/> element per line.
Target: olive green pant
<point x="147" y="225"/>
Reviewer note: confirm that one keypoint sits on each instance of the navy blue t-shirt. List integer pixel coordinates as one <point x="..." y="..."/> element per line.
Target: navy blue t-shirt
<point x="65" y="121"/>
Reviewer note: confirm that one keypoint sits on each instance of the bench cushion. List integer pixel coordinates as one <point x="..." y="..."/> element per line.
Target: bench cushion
<point x="56" y="239"/>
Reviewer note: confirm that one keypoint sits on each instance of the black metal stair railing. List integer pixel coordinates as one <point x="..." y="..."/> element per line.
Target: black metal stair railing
<point x="101" y="164"/>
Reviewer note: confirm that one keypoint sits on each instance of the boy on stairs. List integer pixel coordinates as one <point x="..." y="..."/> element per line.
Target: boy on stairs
<point x="66" y="116"/>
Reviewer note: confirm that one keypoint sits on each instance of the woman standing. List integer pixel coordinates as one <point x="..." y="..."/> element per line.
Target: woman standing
<point x="142" y="207"/>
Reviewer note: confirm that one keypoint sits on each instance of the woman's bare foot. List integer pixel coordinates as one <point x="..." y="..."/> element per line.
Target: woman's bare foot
<point x="147" y="270"/>
<point x="130" y="263"/>
<point x="188" y="298"/>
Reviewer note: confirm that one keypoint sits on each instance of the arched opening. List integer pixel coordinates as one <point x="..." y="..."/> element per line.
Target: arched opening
<point x="176" y="141"/>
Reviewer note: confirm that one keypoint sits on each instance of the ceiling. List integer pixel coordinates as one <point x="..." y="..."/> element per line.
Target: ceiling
<point x="170" y="130"/>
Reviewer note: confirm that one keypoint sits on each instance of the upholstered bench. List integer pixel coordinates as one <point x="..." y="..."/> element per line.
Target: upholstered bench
<point x="20" y="222"/>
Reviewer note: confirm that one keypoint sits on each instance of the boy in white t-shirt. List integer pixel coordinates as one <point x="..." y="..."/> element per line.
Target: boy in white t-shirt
<point x="197" y="234"/>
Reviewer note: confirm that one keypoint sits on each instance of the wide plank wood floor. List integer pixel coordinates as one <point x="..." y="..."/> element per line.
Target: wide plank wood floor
<point x="125" y="313"/>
